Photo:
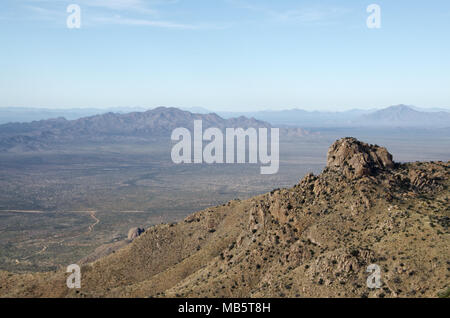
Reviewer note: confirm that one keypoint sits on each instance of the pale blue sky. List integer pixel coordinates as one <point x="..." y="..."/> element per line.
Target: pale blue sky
<point x="233" y="55"/>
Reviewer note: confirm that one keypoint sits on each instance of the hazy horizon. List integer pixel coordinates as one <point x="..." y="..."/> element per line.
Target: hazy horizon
<point x="222" y="110"/>
<point x="230" y="55"/>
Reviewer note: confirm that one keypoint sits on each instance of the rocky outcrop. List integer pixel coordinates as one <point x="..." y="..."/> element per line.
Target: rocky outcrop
<point x="356" y="159"/>
<point x="135" y="232"/>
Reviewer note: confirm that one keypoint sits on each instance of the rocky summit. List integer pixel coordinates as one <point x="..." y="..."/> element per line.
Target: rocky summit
<point x="356" y="159"/>
<point x="321" y="238"/>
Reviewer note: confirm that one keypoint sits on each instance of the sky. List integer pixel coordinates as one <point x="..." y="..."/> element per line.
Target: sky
<point x="225" y="55"/>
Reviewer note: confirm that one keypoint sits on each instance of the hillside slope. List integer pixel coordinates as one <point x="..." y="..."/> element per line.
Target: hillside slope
<point x="315" y="239"/>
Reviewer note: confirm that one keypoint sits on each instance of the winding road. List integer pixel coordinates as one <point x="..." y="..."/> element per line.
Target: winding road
<point x="45" y="247"/>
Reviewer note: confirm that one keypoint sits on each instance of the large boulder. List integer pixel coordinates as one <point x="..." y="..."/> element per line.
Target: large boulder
<point x="135" y="232"/>
<point x="356" y="159"/>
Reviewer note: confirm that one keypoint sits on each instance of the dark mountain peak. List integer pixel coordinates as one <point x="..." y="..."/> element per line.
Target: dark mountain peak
<point x="164" y="109"/>
<point x="355" y="158"/>
<point x="405" y="116"/>
<point x="58" y="119"/>
<point x="399" y="109"/>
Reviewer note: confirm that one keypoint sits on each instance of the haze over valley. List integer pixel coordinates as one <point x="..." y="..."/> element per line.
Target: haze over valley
<point x="57" y="174"/>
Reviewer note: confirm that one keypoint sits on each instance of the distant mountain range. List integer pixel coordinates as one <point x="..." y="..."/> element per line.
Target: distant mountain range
<point x="159" y="122"/>
<point x="394" y="117"/>
<point x="303" y="118"/>
<point x="404" y="116"/>
<point x="29" y="114"/>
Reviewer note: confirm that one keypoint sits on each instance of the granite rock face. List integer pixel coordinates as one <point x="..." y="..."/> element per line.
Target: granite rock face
<point x="357" y="159"/>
